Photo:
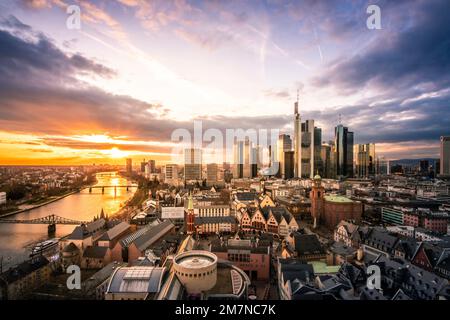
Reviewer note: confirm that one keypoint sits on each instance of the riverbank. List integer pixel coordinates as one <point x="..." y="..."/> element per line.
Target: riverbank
<point x="8" y="214"/>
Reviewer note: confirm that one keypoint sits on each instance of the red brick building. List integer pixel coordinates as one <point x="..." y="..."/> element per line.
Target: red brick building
<point x="250" y="256"/>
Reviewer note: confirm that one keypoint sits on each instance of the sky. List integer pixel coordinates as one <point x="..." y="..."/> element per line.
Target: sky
<point x="138" y="70"/>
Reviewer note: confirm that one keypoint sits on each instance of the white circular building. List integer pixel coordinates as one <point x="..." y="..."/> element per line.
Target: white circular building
<point x="197" y="270"/>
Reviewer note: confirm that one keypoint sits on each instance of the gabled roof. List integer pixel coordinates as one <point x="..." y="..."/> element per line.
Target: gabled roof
<point x="115" y="231"/>
<point x="349" y="227"/>
<point x="95" y="252"/>
<point x="278" y="212"/>
<point x="145" y="237"/>
<point x="408" y="246"/>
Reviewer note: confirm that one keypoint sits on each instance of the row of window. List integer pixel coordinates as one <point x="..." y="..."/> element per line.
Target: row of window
<point x="195" y="275"/>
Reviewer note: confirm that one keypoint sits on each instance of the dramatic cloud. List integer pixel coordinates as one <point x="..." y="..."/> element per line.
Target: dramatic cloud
<point x="418" y="56"/>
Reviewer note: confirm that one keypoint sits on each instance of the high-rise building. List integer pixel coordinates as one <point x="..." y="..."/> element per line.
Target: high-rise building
<point x="288" y="167"/>
<point x="152" y="166"/>
<point x="143" y="164"/>
<point x="238" y="151"/>
<point x="129" y="166"/>
<point x="344" y="151"/>
<point x="192" y="164"/>
<point x="284" y="144"/>
<point x="382" y="166"/>
<point x="171" y="174"/>
<point x="243" y="158"/>
<point x="307" y="147"/>
<point x="247" y="168"/>
<point x="445" y="156"/>
<point x="212" y="173"/>
<point x="364" y="155"/>
<point x="297" y="140"/>
<point x="326" y="161"/>
<point x="318" y="163"/>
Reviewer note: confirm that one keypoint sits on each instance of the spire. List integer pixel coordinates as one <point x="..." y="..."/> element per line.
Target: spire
<point x="190" y="203"/>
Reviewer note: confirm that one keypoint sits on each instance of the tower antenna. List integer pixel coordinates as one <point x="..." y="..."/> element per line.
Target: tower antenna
<point x="340" y="118"/>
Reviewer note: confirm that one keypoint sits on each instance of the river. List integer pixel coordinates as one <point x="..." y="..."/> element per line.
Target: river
<point x="16" y="240"/>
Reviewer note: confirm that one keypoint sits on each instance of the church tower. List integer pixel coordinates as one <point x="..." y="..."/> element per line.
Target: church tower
<point x="189" y="217"/>
<point x="316" y="196"/>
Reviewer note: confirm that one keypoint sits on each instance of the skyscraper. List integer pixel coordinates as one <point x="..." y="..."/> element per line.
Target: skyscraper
<point x="212" y="171"/>
<point x="192" y="164"/>
<point x="344" y="151"/>
<point x="152" y="166"/>
<point x="244" y="155"/>
<point x="284" y="144"/>
<point x="364" y="155"/>
<point x="307" y="149"/>
<point x="288" y="165"/>
<point x="445" y="156"/>
<point x="297" y="141"/>
<point x="318" y="163"/>
<point x="129" y="166"/>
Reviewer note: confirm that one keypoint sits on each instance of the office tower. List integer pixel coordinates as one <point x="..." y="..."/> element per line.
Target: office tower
<point x="152" y="166"/>
<point x="382" y="166"/>
<point x="344" y="151"/>
<point x="364" y="155"/>
<point x="325" y="154"/>
<point x="243" y="157"/>
<point x="307" y="149"/>
<point x="238" y="151"/>
<point x="297" y="140"/>
<point x="318" y="163"/>
<point x="254" y="162"/>
<point x="289" y="164"/>
<point x="284" y="144"/>
<point x="424" y="167"/>
<point x="192" y="164"/>
<point x="247" y="165"/>
<point x="171" y="173"/>
<point x="129" y="166"/>
<point x="143" y="164"/>
<point x="212" y="173"/>
<point x="445" y="156"/>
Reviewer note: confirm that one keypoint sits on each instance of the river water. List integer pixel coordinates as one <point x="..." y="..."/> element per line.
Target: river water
<point x="16" y="240"/>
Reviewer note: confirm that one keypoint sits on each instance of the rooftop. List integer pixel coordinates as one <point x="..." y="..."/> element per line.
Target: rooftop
<point x="338" y="199"/>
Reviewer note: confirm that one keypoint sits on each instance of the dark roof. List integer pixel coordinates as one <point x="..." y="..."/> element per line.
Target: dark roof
<point x="95" y="252"/>
<point x="145" y="237"/>
<point x="24" y="269"/>
<point x="408" y="246"/>
<point x="71" y="247"/>
<point x="218" y="219"/>
<point x="382" y="239"/>
<point x="434" y="251"/>
<point x="246" y="196"/>
<point x="294" y="269"/>
<point x="115" y="231"/>
<point x="416" y="282"/>
<point x="306" y="244"/>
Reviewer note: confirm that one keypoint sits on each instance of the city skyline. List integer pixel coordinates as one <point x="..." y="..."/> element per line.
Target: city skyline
<point x="117" y="88"/>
